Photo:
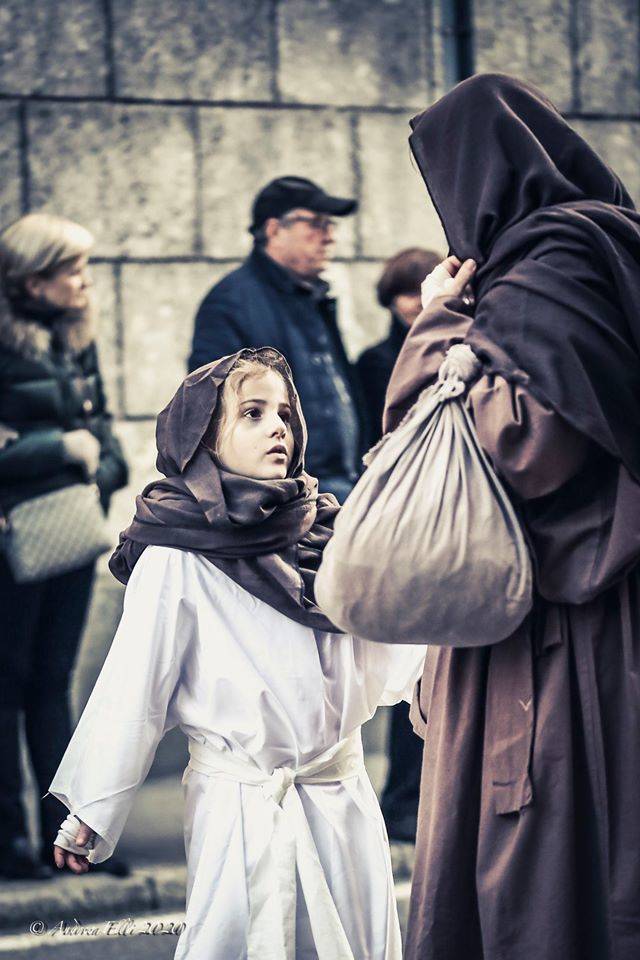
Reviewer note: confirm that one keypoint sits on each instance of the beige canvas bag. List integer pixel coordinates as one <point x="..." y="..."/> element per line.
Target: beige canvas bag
<point x="428" y="548"/>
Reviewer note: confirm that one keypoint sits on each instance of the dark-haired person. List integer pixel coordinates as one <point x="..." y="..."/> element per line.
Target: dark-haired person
<point x="529" y="829"/>
<point x="398" y="290"/>
<point x="278" y="298"/>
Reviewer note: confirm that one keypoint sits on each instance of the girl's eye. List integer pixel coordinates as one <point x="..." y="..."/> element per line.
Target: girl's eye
<point x="253" y="413"/>
<point x="286" y="416"/>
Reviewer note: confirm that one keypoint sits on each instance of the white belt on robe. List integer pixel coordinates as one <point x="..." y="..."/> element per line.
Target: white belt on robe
<point x="291" y="845"/>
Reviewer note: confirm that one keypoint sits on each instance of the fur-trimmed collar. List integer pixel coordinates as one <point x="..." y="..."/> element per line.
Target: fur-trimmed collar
<point x="28" y="338"/>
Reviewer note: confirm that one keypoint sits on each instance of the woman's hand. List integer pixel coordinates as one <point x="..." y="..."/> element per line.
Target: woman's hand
<point x="81" y="447"/>
<point x="75" y="862"/>
<point x="449" y="279"/>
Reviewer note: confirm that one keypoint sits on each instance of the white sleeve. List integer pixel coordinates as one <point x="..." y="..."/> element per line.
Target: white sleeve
<point x="403" y="670"/>
<point x="391" y="670"/>
<point x="125" y="718"/>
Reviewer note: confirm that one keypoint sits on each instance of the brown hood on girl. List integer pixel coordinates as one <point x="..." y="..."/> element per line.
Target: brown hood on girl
<point x="266" y="535"/>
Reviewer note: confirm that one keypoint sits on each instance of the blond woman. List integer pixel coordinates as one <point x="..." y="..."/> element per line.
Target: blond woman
<point x="55" y="433"/>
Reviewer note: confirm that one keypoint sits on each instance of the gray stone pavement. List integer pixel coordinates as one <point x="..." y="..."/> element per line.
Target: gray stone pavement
<point x="143" y="936"/>
<point x="99" y="916"/>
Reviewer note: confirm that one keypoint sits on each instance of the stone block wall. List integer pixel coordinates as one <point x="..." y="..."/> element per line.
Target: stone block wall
<point x="155" y="123"/>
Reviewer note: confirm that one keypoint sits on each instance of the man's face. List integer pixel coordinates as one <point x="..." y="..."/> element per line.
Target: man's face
<point x="302" y="241"/>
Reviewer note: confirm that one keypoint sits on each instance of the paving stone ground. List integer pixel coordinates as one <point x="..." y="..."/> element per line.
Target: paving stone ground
<point x="154" y="893"/>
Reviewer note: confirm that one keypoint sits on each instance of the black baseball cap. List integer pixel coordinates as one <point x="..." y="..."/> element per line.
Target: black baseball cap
<point x="287" y="193"/>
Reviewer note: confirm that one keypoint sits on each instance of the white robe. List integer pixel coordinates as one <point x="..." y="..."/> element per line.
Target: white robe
<point x="195" y="649"/>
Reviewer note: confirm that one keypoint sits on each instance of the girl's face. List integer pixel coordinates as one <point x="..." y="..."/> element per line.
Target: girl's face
<point x="255" y="438"/>
<point x="67" y="289"/>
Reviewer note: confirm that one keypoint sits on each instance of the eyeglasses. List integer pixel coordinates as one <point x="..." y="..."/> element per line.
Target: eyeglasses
<point x="316" y="223"/>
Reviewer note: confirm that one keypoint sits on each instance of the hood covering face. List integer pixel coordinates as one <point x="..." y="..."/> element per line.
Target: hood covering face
<point x="493" y="151"/>
<point x="266" y="535"/>
<point x="557" y="242"/>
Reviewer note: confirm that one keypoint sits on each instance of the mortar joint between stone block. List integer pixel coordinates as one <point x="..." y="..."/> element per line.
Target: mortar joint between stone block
<point x="429" y="49"/>
<point x="570" y="115"/>
<point x="574" y="44"/>
<point x="138" y="417"/>
<point x="356" y="165"/>
<point x="130" y="101"/>
<point x="25" y="169"/>
<point x="198" y="226"/>
<point x="235" y="261"/>
<point x="119" y="338"/>
<point x="274" y="49"/>
<point x="109" y="50"/>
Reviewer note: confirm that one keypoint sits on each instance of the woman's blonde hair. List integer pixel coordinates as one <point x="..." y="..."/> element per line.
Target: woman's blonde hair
<point x="39" y="243"/>
<point x="249" y="366"/>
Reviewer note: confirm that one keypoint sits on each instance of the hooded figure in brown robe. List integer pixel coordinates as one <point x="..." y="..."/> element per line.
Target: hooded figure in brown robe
<point x="528" y="843"/>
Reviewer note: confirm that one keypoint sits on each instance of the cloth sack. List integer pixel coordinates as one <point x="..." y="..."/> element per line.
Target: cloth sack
<point x="428" y="548"/>
<point x="54" y="533"/>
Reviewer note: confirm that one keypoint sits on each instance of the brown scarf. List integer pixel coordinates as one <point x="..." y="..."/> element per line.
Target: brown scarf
<point x="266" y="535"/>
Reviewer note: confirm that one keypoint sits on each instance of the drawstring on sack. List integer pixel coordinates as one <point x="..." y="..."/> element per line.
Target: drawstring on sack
<point x="460" y="363"/>
<point x="459" y="367"/>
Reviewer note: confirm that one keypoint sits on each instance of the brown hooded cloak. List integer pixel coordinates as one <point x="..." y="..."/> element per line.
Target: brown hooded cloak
<point x="266" y="535"/>
<point x="528" y="841"/>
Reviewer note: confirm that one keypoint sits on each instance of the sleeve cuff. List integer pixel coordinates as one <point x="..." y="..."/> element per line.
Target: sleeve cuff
<point x="416" y="716"/>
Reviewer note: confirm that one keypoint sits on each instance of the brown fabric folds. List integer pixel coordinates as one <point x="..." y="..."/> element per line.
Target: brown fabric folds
<point x="266" y="535"/>
<point x="416" y="716"/>
<point x="557" y="242"/>
<point x="444" y="323"/>
<point x="557" y="305"/>
<point x="510" y="720"/>
<point x="557" y="315"/>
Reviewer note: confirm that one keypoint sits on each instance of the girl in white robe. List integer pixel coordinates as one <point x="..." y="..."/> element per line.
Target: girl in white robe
<point x="287" y="852"/>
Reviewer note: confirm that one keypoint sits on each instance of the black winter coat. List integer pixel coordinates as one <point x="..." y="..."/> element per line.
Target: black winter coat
<point x="50" y="383"/>
<point x="374" y="367"/>
<point x="262" y="305"/>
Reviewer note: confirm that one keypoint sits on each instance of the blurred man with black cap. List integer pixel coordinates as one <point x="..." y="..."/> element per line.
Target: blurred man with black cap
<point x="278" y="299"/>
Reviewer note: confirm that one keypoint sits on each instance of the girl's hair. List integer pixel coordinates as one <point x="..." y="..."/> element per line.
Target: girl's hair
<point x="39" y="243"/>
<point x="250" y="366"/>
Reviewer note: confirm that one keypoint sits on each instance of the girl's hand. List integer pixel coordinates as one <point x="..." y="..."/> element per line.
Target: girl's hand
<point x="449" y="279"/>
<point x="75" y="862"/>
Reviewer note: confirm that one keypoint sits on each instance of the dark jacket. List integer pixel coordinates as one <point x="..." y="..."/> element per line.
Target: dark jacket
<point x="374" y="368"/>
<point x="50" y="383"/>
<point x="261" y="304"/>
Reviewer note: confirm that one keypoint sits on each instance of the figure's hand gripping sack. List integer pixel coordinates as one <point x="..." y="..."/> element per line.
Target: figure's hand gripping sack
<point x="428" y="548"/>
